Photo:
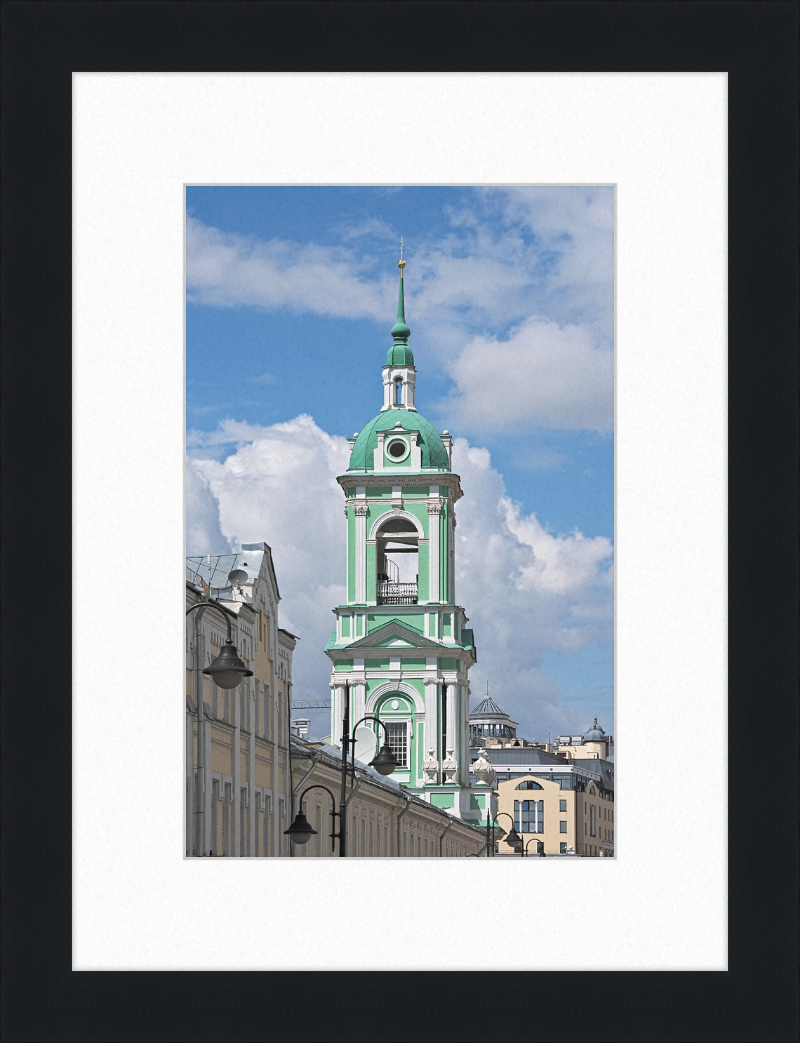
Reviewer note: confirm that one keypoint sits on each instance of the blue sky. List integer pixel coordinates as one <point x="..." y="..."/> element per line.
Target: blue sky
<point x="291" y="293"/>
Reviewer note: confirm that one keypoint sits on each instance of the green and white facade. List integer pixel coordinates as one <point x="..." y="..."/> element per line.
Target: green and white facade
<point x="402" y="648"/>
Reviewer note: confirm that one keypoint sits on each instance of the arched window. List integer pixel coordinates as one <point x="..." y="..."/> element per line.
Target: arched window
<point x="398" y="391"/>
<point x="528" y="784"/>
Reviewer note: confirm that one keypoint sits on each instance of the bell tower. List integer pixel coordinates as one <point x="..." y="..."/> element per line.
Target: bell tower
<point x="402" y="650"/>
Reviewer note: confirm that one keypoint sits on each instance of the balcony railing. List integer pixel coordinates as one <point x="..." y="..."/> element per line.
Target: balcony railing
<point x="397" y="593"/>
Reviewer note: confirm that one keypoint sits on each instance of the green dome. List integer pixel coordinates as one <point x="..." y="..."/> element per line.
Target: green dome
<point x="399" y="355"/>
<point x="434" y="453"/>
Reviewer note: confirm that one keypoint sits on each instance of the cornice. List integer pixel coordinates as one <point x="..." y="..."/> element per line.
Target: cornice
<point x="448" y="478"/>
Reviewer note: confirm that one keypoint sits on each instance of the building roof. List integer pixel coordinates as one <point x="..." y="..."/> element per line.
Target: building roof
<point x="595" y="734"/>
<point x="605" y="769"/>
<point x="433" y="453"/>
<point x="486" y="706"/>
<point x="504" y="755"/>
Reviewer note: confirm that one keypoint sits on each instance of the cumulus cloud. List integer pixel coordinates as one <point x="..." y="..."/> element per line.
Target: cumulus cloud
<point x="511" y="255"/>
<point x="527" y="590"/>
<point x="279" y="487"/>
<point x="544" y="374"/>
<point x="226" y="269"/>
<point x="203" y="532"/>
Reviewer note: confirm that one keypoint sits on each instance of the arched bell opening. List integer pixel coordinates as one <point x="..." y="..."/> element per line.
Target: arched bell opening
<point x="397" y="544"/>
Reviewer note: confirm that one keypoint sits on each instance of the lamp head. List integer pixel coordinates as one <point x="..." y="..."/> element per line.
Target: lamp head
<point x="228" y="669"/>
<point x="384" y="762"/>
<point x="513" y="837"/>
<point x="300" y="830"/>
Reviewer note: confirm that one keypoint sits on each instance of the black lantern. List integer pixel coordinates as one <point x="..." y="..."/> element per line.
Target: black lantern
<point x="384" y="762"/>
<point x="228" y="669"/>
<point x="513" y="837"/>
<point x="300" y="830"/>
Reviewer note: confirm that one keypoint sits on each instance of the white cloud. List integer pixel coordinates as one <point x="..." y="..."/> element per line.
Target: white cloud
<point x="512" y="254"/>
<point x="203" y="532"/>
<point x="371" y="227"/>
<point x="544" y="374"/>
<point x="227" y="270"/>
<point x="527" y="591"/>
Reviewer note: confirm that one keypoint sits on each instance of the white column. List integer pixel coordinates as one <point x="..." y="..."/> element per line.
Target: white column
<point x="359" y="690"/>
<point x="434" y="513"/>
<point x="337" y="712"/>
<point x="361" y="552"/>
<point x="452" y="733"/>
<point x="432" y="726"/>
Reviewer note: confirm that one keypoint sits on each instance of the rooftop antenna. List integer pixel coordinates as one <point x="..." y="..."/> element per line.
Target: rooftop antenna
<point x="401" y="263"/>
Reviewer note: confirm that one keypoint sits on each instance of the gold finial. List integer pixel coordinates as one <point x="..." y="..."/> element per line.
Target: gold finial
<point x="401" y="263"/>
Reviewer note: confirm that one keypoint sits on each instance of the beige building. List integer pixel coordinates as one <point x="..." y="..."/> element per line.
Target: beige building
<point x="246" y="729"/>
<point x="578" y="821"/>
<point x="594" y="745"/>
<point x="382" y="819"/>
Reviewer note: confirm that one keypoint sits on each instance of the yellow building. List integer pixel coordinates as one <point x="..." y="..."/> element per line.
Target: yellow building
<point x="382" y="818"/>
<point x="594" y="745"/>
<point x="245" y="782"/>
<point x="578" y="820"/>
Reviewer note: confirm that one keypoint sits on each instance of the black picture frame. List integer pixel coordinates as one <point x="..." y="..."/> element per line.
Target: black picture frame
<point x="756" y="43"/>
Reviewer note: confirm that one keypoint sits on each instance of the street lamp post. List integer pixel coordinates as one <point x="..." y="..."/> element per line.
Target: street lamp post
<point x="301" y="831"/>
<point x="513" y="836"/>
<point x="539" y="849"/>
<point x="227" y="671"/>
<point x="384" y="762"/>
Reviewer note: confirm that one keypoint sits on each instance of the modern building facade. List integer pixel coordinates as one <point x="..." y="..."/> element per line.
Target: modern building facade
<point x="402" y="650"/>
<point x="576" y="818"/>
<point x="246" y="783"/>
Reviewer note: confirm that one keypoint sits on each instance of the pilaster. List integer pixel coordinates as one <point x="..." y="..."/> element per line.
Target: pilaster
<point x="361" y="510"/>
<point x="434" y="515"/>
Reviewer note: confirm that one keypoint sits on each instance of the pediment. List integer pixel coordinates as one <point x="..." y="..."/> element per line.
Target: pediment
<point x="395" y="635"/>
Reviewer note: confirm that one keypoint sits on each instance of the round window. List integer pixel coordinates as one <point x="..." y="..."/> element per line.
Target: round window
<point x="397" y="448"/>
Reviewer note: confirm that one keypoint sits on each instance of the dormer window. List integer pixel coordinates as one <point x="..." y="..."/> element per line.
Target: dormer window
<point x="398" y="391"/>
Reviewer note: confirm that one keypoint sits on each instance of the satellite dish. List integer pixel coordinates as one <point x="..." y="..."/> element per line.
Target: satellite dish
<point x="366" y="744"/>
<point x="237" y="577"/>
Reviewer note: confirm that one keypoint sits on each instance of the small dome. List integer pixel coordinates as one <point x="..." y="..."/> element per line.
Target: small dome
<point x="399" y="354"/>
<point x="434" y="453"/>
<point x="595" y="734"/>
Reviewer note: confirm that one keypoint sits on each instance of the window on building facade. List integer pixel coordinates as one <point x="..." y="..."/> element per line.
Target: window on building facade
<point x="562" y="847"/>
<point x="529" y="816"/>
<point x="592" y="825"/>
<point x="528" y="784"/>
<point x="562" y="827"/>
<point x="226" y="821"/>
<point x="562" y="805"/>
<point x="398" y="741"/>
<point x="214" y="816"/>
<point x="242" y="822"/>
